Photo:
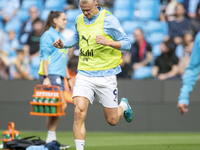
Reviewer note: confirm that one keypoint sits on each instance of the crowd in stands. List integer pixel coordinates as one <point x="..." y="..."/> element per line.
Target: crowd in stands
<point x="161" y="32"/>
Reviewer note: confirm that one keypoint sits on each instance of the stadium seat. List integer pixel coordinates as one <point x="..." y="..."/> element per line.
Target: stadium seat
<point x="72" y="14"/>
<point x="70" y="25"/>
<point x="2" y="4"/>
<point x="14" y="24"/>
<point x="155" y="37"/>
<point x="156" y="26"/>
<point x="130" y="26"/>
<point x="26" y="4"/>
<point x="123" y="14"/>
<point x="53" y="4"/>
<point x="123" y="4"/>
<point x="156" y="50"/>
<point x="45" y="14"/>
<point x="22" y="15"/>
<point x="146" y="10"/>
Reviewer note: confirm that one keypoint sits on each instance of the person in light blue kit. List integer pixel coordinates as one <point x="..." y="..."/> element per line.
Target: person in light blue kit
<point x="190" y="76"/>
<point x="100" y="38"/>
<point x="53" y="63"/>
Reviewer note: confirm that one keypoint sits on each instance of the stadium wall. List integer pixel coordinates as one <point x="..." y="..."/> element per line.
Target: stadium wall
<point x="154" y="104"/>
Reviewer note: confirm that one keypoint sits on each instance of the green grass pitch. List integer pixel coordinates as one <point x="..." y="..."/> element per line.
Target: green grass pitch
<point x="128" y="141"/>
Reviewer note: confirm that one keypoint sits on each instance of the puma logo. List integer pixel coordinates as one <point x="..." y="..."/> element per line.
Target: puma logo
<point x="86" y="39"/>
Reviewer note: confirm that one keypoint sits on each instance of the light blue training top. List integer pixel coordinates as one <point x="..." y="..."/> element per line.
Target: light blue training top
<point x="191" y="74"/>
<point x="111" y="27"/>
<point x="57" y="57"/>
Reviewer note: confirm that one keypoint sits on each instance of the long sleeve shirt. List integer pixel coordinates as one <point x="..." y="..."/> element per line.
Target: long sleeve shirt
<point x="111" y="27"/>
<point x="191" y="73"/>
<point x="57" y="57"/>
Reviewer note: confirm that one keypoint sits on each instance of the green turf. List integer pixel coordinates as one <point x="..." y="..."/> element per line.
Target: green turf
<point x="129" y="141"/>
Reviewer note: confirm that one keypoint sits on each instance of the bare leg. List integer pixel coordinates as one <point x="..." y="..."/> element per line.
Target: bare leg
<point x="80" y="112"/>
<point x="113" y="115"/>
<point x="52" y="122"/>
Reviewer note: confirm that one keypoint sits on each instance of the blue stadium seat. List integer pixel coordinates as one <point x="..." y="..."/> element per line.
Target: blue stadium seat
<point x="70" y="25"/>
<point x="156" y="26"/>
<point x="156" y="50"/>
<point x="26" y="4"/>
<point x="45" y="14"/>
<point x="130" y="26"/>
<point x="54" y="4"/>
<point x="155" y="37"/>
<point x="146" y="10"/>
<point x="123" y="4"/>
<point x="72" y="14"/>
<point x="123" y="14"/>
<point x="14" y="24"/>
<point x="2" y="4"/>
<point x="22" y="15"/>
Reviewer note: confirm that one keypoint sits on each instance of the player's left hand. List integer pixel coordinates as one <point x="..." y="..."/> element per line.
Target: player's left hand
<point x="101" y="40"/>
<point x="183" y="108"/>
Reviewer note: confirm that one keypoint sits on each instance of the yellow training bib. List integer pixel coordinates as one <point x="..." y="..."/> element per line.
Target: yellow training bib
<point x="93" y="56"/>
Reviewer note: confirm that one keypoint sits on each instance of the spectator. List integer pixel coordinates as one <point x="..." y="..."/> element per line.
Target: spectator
<point x="31" y="49"/>
<point x="192" y="8"/>
<point x="107" y="4"/>
<point x="195" y="23"/>
<point x="166" y="65"/>
<point x="3" y="37"/>
<point x="141" y="56"/>
<point x="170" y="10"/>
<point x="11" y="44"/>
<point x="10" y="9"/>
<point x="18" y="69"/>
<point x="125" y="65"/>
<point x="179" y="25"/>
<point x="187" y="49"/>
<point x="4" y="66"/>
<point x="71" y="4"/>
<point x="27" y="28"/>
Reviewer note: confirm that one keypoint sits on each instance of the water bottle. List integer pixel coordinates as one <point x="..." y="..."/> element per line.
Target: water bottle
<point x="53" y="108"/>
<point x="6" y="136"/>
<point x="46" y="107"/>
<point x="35" y="107"/>
<point x="41" y="107"/>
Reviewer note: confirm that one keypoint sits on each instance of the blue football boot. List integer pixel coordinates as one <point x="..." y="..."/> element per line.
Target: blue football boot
<point x="128" y="114"/>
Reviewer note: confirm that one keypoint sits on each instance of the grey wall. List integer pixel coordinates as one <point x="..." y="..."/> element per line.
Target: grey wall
<point x="154" y="104"/>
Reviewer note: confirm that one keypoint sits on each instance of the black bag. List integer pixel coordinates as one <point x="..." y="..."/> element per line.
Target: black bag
<point x="22" y="144"/>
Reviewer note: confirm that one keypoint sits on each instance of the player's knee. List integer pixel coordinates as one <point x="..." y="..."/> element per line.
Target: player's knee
<point x="79" y="113"/>
<point x="112" y="121"/>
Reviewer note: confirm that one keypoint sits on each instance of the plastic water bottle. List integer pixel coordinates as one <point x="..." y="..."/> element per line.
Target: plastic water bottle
<point x="17" y="136"/>
<point x="35" y="107"/>
<point x="41" y="107"/>
<point x="46" y="107"/>
<point x="53" y="108"/>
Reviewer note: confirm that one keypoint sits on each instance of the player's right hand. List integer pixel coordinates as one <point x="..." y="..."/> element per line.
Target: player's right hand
<point x="183" y="108"/>
<point x="58" y="43"/>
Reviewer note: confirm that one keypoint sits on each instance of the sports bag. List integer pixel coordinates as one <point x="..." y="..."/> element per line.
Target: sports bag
<point x="22" y="144"/>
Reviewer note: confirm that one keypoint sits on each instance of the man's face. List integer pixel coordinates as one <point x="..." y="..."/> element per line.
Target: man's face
<point x="180" y="10"/>
<point x="33" y="12"/>
<point x="138" y="35"/>
<point x="89" y="8"/>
